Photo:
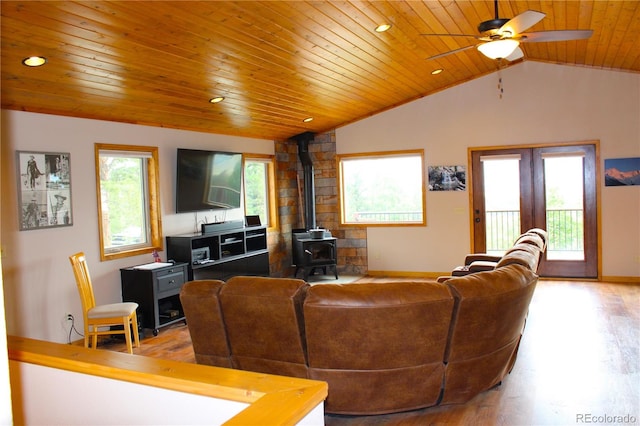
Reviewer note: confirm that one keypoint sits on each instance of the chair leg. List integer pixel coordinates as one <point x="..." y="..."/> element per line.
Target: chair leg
<point x="86" y="334"/>
<point x="94" y="338"/>
<point x="136" y="335"/>
<point x="127" y="333"/>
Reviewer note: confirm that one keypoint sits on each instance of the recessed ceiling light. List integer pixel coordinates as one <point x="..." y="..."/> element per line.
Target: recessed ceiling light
<point x="308" y="119"/>
<point x="216" y="99"/>
<point x="382" y="28"/>
<point x="34" y="61"/>
<point x="436" y="72"/>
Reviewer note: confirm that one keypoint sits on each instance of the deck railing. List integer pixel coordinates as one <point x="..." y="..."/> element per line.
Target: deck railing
<point x="385" y="217"/>
<point x="565" y="228"/>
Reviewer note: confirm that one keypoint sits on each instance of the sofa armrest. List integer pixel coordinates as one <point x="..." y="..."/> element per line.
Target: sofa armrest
<point x="483" y="257"/>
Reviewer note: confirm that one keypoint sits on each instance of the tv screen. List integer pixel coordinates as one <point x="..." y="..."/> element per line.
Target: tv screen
<point x="208" y="180"/>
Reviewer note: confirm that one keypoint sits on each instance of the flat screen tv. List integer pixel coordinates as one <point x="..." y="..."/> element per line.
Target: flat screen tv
<point x="208" y="180"/>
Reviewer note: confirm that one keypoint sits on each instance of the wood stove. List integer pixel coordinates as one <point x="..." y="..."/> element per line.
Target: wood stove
<point x="312" y="254"/>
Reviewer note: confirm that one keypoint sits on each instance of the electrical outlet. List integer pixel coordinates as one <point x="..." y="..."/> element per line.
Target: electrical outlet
<point x="68" y="316"/>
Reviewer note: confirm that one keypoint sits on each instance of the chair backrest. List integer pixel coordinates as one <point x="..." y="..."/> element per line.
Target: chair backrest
<point x="83" y="281"/>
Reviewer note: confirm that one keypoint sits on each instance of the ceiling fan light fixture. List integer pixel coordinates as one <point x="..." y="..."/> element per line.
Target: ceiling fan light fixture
<point x="498" y="49"/>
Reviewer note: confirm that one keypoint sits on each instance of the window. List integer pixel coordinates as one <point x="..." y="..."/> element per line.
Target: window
<point x="128" y="200"/>
<point x="382" y="188"/>
<point x="259" y="188"/>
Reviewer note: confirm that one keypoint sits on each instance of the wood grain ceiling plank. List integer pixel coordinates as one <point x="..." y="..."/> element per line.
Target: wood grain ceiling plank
<point x="334" y="52"/>
<point x="392" y="53"/>
<point x="411" y="26"/>
<point x="632" y="41"/>
<point x="176" y="43"/>
<point x="461" y="64"/>
<point x="310" y="76"/>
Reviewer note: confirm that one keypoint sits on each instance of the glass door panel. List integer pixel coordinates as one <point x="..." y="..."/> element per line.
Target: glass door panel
<point x="564" y="206"/>
<point x="501" y="202"/>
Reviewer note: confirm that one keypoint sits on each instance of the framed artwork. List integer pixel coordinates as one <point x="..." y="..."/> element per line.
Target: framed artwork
<point x="622" y="171"/>
<point x="44" y="189"/>
<point x="447" y="178"/>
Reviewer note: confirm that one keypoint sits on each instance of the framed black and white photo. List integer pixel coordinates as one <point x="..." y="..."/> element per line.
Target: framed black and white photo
<point x="44" y="189"/>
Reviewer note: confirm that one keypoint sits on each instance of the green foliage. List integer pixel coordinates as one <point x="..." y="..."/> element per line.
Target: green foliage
<point x="255" y="184"/>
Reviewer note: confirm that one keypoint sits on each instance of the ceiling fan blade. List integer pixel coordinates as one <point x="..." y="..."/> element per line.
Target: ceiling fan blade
<point x="451" y="52"/>
<point x="522" y="22"/>
<point x="517" y="54"/>
<point x="450" y="35"/>
<point x="558" y="35"/>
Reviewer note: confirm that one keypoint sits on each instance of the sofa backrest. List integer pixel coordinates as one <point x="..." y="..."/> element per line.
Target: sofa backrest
<point x="381" y="339"/>
<point x="521" y="254"/>
<point x="264" y="322"/>
<point x="201" y="306"/>
<point x="489" y="316"/>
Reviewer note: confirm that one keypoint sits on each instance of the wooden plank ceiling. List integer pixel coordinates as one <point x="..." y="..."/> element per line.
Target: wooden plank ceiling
<point x="275" y="62"/>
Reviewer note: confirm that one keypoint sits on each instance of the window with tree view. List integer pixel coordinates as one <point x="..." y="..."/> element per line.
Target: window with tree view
<point x="127" y="200"/>
<point x="382" y="188"/>
<point x="259" y="198"/>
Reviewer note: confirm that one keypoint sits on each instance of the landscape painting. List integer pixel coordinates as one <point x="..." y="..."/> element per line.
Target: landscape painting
<point x="447" y="178"/>
<point x="622" y="171"/>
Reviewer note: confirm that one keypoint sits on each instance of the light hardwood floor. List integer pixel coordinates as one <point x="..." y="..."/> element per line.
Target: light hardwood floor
<point x="579" y="362"/>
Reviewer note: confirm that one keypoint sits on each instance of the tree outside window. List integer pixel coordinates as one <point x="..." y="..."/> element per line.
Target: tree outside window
<point x="382" y="188"/>
<point x="259" y="188"/>
<point x="128" y="203"/>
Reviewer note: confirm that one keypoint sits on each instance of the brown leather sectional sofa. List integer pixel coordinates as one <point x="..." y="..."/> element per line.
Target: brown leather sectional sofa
<point x="382" y="348"/>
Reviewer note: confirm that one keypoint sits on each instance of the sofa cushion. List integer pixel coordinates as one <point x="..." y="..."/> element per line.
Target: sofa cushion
<point x="264" y="324"/>
<point x="381" y="339"/>
<point x="524" y="255"/>
<point x="201" y="307"/>
<point x="490" y="311"/>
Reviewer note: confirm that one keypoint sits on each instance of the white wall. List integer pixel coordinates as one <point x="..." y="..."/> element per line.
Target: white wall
<point x="50" y="396"/>
<point x="542" y="103"/>
<point x="38" y="281"/>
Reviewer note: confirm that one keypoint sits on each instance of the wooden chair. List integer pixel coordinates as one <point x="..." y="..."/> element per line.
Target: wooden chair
<point x="101" y="316"/>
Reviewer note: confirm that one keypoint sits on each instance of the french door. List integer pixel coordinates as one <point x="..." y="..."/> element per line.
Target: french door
<point x="548" y="187"/>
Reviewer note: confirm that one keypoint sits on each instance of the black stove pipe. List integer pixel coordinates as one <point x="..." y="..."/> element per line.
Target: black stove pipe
<point x="309" y="201"/>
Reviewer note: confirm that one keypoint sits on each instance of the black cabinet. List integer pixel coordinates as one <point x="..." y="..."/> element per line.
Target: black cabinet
<point x="222" y="254"/>
<point x="157" y="291"/>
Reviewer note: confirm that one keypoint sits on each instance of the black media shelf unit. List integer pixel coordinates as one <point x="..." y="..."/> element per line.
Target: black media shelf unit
<point x="222" y="254"/>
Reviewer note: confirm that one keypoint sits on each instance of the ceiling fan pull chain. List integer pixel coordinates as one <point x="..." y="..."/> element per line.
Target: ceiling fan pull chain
<point x="500" y="87"/>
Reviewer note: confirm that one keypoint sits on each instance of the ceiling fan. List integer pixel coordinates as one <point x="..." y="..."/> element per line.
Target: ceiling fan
<point x="501" y="37"/>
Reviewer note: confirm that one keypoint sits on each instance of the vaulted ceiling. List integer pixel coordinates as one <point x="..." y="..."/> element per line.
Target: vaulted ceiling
<point x="275" y="62"/>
